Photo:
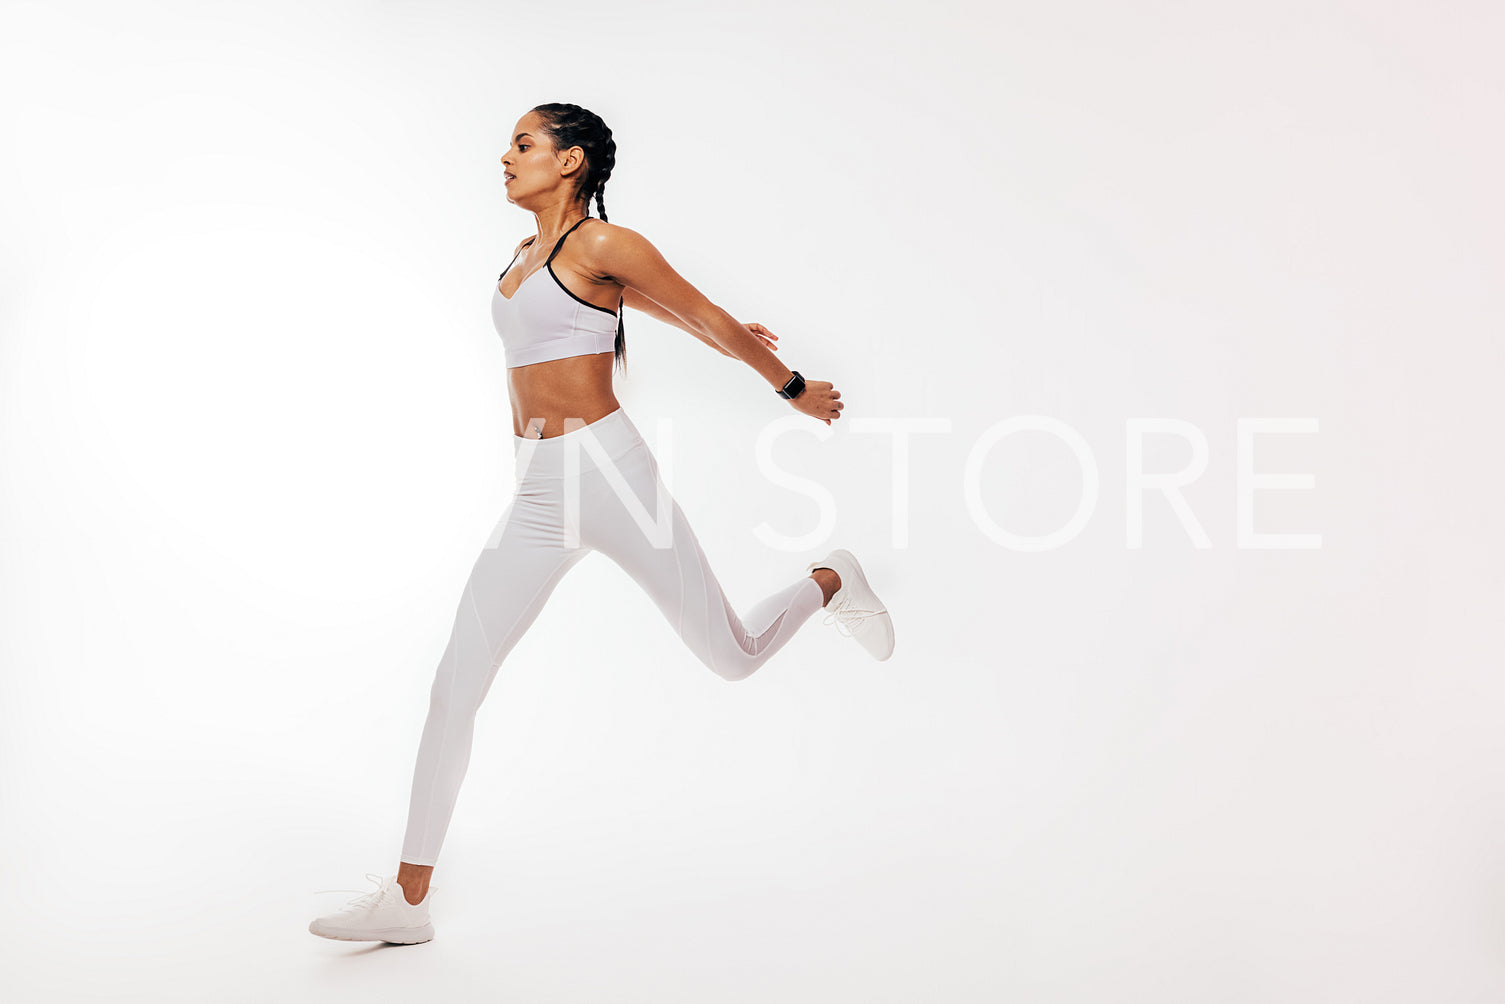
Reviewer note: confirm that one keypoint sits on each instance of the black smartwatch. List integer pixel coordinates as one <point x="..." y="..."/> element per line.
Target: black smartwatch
<point x="793" y="388"/>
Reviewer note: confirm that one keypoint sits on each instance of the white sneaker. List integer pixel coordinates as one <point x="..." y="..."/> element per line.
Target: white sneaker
<point x="381" y="915"/>
<point x="854" y="608"/>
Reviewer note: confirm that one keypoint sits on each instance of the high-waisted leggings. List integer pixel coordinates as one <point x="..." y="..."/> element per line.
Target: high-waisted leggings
<point x="594" y="488"/>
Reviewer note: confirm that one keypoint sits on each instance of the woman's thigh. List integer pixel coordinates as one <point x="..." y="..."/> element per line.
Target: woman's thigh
<point x="523" y="560"/>
<point x="631" y="517"/>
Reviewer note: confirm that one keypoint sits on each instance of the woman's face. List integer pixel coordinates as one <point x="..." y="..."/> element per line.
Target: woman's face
<point x="529" y="160"/>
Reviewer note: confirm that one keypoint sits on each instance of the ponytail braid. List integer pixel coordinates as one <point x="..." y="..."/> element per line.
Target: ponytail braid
<point x="570" y="125"/>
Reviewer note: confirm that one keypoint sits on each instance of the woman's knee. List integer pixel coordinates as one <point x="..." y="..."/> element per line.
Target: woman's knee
<point x="460" y="687"/>
<point x="730" y="669"/>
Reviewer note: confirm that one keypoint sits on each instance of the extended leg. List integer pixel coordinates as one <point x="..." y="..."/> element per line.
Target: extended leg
<point x="508" y="586"/>
<point x="679" y="578"/>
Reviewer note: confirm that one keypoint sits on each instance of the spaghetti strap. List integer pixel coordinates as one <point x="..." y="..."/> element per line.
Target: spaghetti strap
<point x="560" y="243"/>
<point x="514" y="259"/>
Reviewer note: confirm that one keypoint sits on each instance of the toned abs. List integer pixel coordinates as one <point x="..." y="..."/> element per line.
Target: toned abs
<point x="545" y="394"/>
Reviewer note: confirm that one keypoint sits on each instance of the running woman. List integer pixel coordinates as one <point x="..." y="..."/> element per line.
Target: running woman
<point x="586" y="481"/>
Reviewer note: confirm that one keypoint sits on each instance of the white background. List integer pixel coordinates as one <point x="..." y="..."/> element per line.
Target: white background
<point x="255" y="430"/>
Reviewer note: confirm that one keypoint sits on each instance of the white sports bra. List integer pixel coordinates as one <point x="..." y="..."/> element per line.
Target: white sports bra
<point x="544" y="321"/>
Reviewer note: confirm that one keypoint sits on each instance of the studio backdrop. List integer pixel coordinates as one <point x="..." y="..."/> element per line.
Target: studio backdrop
<point x="1168" y="338"/>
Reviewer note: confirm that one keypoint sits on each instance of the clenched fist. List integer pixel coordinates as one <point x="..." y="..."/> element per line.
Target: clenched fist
<point x="819" y="400"/>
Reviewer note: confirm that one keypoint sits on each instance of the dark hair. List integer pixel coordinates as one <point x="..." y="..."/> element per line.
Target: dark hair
<point x="567" y="126"/>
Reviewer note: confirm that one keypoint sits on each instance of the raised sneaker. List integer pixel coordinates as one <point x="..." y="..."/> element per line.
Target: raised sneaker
<point x="383" y="914"/>
<point x="854" y="608"/>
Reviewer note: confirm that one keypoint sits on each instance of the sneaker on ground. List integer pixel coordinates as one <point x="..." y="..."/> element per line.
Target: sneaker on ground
<point x="383" y="914"/>
<point x="854" y="608"/>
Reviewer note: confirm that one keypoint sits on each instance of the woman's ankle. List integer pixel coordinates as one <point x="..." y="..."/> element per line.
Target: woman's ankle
<point x="414" y="880"/>
<point x="828" y="581"/>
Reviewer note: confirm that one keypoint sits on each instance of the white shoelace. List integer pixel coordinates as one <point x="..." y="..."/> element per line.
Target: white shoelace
<point x="846" y="613"/>
<point x="365" y="898"/>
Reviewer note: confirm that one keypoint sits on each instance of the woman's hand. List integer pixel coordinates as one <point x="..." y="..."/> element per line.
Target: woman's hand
<point x="819" y="400"/>
<point x="764" y="335"/>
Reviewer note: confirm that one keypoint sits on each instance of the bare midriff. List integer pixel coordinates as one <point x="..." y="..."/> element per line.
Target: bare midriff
<point x="545" y="394"/>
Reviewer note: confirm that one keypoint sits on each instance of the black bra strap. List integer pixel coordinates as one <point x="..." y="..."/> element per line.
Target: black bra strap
<point x="513" y="261"/>
<point x="560" y="243"/>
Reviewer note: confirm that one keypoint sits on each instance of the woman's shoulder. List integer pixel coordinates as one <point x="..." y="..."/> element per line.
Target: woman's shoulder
<point x="603" y="228"/>
<point x="603" y="236"/>
<point x="601" y="241"/>
<point x="591" y="229"/>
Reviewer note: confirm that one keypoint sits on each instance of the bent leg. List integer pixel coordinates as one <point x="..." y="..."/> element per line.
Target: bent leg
<point x="679" y="578"/>
<point x="508" y="587"/>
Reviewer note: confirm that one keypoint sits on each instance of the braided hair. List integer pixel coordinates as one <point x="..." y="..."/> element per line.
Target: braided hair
<point x="570" y="125"/>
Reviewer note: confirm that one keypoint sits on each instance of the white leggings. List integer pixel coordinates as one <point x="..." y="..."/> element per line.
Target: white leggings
<point x="593" y="488"/>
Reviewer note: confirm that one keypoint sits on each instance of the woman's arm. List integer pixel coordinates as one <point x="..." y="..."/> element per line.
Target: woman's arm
<point x="637" y="301"/>
<point x="630" y="259"/>
<point x="626" y="256"/>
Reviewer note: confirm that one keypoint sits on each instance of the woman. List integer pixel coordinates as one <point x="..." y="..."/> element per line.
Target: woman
<point x="587" y="481"/>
